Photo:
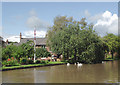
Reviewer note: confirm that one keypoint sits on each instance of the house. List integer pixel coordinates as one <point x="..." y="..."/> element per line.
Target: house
<point x="40" y="42"/>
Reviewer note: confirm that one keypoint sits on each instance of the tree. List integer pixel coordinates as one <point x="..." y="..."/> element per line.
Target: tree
<point x="111" y="41"/>
<point x="24" y="50"/>
<point x="42" y="52"/>
<point x="28" y="49"/>
<point x="75" y="40"/>
<point x="9" y="52"/>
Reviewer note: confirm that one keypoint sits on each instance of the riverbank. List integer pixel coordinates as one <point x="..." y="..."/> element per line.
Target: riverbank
<point x="110" y="59"/>
<point x="31" y="66"/>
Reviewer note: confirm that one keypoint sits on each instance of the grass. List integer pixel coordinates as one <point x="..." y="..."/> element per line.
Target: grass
<point x="30" y="65"/>
<point x="56" y="62"/>
<point x="110" y="59"/>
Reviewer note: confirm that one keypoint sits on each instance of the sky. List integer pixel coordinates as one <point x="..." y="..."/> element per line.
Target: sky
<point x="22" y="16"/>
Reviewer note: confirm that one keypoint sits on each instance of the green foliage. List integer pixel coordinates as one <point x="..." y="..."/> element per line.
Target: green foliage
<point x="42" y="52"/>
<point x="30" y="62"/>
<point x="26" y="49"/>
<point x="75" y="40"/>
<point x="112" y="42"/>
<point x="37" y="61"/>
<point x="10" y="63"/>
<point x="21" y="53"/>
<point x="4" y="63"/>
<point x="23" y="61"/>
<point x="43" y="62"/>
<point x="8" y="52"/>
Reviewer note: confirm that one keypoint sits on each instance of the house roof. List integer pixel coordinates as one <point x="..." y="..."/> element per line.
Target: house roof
<point x="39" y="41"/>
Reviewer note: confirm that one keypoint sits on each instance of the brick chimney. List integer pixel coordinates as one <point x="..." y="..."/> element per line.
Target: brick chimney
<point x="20" y="36"/>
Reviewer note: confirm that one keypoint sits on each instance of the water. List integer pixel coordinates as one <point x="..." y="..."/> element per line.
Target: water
<point x="106" y="72"/>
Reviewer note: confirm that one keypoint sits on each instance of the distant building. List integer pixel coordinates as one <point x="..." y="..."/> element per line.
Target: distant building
<point x="9" y="43"/>
<point x="40" y="42"/>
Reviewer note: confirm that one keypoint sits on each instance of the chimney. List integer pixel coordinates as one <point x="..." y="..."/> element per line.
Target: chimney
<point x="7" y="42"/>
<point x="20" y="36"/>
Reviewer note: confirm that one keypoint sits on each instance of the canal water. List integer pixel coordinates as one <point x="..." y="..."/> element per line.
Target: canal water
<point x="106" y="72"/>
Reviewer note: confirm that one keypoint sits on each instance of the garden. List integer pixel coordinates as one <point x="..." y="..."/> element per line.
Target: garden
<point x="22" y="56"/>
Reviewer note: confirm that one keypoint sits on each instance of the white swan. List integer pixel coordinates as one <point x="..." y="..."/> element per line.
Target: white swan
<point x="68" y="64"/>
<point x="79" y="64"/>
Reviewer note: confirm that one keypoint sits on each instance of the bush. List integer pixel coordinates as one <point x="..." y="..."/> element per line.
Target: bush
<point x="71" y="61"/>
<point x="30" y="62"/>
<point x="10" y="62"/>
<point x="37" y="61"/>
<point x="4" y="63"/>
<point x="43" y="62"/>
<point x="46" y="61"/>
<point x="42" y="52"/>
<point x="23" y="61"/>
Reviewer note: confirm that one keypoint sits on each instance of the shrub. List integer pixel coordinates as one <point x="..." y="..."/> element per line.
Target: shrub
<point x="42" y="52"/>
<point x="23" y="61"/>
<point x="71" y="61"/>
<point x="43" y="62"/>
<point x="46" y="61"/>
<point x="37" y="61"/>
<point x="10" y="62"/>
<point x="30" y="62"/>
<point x="4" y="63"/>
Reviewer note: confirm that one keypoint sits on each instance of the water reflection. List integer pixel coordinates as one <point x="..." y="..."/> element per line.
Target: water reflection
<point x="106" y="72"/>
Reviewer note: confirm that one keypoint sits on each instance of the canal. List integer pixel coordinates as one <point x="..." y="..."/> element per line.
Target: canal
<point x="106" y="72"/>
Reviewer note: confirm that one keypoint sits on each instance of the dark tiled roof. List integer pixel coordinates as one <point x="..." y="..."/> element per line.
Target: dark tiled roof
<point x="39" y="41"/>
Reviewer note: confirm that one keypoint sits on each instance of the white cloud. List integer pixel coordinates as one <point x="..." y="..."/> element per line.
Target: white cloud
<point x="26" y="34"/>
<point x="34" y="22"/>
<point x="104" y="22"/>
<point x="87" y="14"/>
<point x="31" y="33"/>
<point x="12" y="38"/>
<point x="108" y="23"/>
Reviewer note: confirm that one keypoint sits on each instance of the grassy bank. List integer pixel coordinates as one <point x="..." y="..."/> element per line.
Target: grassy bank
<point x="31" y="66"/>
<point x="110" y="59"/>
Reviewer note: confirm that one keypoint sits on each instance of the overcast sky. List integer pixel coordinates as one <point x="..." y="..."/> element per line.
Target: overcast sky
<point x="22" y="16"/>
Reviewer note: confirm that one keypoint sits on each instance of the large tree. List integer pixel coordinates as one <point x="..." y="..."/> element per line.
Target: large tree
<point x="76" y="40"/>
